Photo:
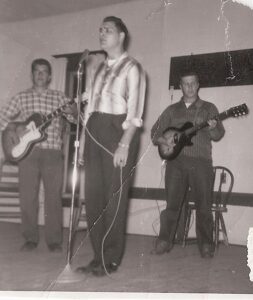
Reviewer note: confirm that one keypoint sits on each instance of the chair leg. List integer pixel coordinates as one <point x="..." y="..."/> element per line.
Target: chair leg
<point x="224" y="231"/>
<point x="187" y="225"/>
<point x="216" y="230"/>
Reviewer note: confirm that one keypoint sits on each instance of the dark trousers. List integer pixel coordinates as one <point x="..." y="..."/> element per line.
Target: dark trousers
<point x="46" y="165"/>
<point x="182" y="173"/>
<point x="102" y="185"/>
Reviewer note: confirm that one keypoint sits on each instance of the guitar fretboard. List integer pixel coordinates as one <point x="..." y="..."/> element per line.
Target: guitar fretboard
<point x="232" y="112"/>
<point x="55" y="113"/>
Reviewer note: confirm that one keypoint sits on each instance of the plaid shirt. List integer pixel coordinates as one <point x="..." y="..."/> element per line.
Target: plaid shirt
<point x="25" y="103"/>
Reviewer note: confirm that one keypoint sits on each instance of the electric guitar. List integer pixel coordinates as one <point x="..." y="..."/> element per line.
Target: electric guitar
<point x="178" y="138"/>
<point x="28" y="133"/>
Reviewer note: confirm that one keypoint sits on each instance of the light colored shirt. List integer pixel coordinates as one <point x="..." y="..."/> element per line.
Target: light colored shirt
<point x="119" y="88"/>
<point x="25" y="103"/>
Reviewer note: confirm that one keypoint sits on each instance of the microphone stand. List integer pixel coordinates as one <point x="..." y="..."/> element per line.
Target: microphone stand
<point x="75" y="168"/>
<point x="68" y="275"/>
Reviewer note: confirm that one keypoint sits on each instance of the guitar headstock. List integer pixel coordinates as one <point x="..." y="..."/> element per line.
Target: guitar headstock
<point x="238" y="111"/>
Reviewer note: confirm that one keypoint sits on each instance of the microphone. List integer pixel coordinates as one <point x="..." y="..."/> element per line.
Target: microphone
<point x="84" y="56"/>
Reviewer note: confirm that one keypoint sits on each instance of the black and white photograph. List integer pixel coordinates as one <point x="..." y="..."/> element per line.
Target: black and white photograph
<point x="126" y="164"/>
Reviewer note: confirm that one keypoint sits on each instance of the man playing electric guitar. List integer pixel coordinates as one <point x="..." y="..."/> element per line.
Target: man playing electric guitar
<point x="44" y="161"/>
<point x="192" y="167"/>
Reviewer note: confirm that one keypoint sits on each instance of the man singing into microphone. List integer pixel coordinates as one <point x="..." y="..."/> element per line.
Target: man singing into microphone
<point x="115" y="108"/>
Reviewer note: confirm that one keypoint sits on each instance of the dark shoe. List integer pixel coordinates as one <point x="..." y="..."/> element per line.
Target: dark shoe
<point x="29" y="246"/>
<point x="207" y="251"/>
<point x="55" y="248"/>
<point x="161" y="247"/>
<point x="89" y="268"/>
<point x="100" y="271"/>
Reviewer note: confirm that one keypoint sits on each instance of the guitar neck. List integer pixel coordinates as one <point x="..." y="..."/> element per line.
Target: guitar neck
<point x="55" y="113"/>
<point x="220" y="117"/>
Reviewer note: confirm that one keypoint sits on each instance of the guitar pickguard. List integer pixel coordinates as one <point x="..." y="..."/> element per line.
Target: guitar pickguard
<point x="31" y="135"/>
<point x="27" y="134"/>
<point x="176" y="140"/>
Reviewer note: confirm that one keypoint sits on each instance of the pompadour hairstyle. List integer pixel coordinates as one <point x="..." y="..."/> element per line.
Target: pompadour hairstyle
<point x="120" y="25"/>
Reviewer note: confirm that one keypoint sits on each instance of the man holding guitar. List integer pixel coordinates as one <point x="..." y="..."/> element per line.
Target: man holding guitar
<point x="44" y="160"/>
<point x="189" y="163"/>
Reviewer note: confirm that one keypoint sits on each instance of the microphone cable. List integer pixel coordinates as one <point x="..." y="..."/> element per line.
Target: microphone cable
<point x="119" y="190"/>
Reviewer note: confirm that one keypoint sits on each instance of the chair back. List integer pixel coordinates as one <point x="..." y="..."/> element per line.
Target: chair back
<point x="222" y="186"/>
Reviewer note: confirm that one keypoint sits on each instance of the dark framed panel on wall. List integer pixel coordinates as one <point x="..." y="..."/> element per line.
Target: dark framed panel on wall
<point x="218" y="69"/>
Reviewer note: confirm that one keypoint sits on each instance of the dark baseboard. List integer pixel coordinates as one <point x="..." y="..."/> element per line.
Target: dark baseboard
<point x="237" y="199"/>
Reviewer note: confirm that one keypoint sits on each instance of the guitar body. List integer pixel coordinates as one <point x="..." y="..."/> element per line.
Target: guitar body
<point x="19" y="140"/>
<point x="176" y="141"/>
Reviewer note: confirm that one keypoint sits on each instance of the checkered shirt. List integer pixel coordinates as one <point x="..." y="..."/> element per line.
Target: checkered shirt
<point x="25" y="103"/>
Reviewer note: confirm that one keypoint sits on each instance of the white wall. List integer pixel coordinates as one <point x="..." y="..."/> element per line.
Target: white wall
<point x="158" y="31"/>
<point x="195" y="27"/>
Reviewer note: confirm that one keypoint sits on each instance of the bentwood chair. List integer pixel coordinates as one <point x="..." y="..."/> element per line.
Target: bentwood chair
<point x="222" y="187"/>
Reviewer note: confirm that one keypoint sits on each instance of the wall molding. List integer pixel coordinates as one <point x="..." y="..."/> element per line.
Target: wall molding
<point x="237" y="199"/>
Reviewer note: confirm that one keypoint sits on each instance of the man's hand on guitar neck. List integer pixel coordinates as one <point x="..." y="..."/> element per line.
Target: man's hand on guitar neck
<point x="71" y="112"/>
<point x="212" y="124"/>
<point x="84" y="98"/>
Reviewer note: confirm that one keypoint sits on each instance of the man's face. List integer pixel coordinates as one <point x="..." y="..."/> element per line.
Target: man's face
<point x="189" y="86"/>
<point x="41" y="76"/>
<point x="109" y="36"/>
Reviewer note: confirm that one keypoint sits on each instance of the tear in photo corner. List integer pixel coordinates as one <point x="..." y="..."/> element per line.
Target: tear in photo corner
<point x="250" y="252"/>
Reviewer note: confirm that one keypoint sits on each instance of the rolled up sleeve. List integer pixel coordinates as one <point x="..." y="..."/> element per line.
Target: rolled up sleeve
<point x="136" y="83"/>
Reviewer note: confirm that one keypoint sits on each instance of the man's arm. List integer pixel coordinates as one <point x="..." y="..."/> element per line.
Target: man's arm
<point x="136" y="97"/>
<point x="160" y="125"/>
<point x="216" y="128"/>
<point x="8" y="112"/>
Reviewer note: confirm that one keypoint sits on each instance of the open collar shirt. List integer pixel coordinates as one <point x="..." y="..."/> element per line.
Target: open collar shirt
<point x="119" y="88"/>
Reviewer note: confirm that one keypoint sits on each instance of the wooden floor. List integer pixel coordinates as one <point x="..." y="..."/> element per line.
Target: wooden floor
<point x="180" y="271"/>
